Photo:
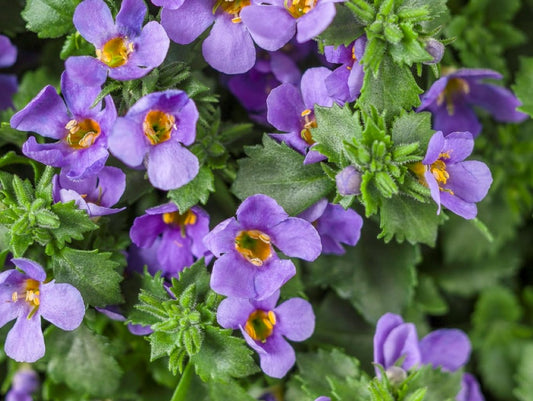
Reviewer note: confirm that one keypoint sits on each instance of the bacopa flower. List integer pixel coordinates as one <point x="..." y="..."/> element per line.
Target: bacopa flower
<point x="291" y="110"/>
<point x="26" y="297"/>
<point x="8" y="82"/>
<point x="345" y="82"/>
<point x="181" y="235"/>
<point x="79" y="129"/>
<point x="451" y="97"/>
<point x="265" y="327"/>
<point x="95" y="194"/>
<point x="334" y="224"/>
<point x="348" y="181"/>
<point x="124" y="49"/>
<point x="25" y="382"/>
<point x="248" y="266"/>
<point x="453" y="182"/>
<point x="154" y="131"/>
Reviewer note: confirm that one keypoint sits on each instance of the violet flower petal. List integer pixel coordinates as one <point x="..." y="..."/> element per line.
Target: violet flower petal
<point x="50" y="154"/>
<point x="93" y="20"/>
<point x="233" y="276"/>
<point x="31" y="268"/>
<point x="295" y="319"/>
<point x="469" y="180"/>
<point x="315" y="21"/>
<point x="462" y="119"/>
<point x="221" y="239"/>
<point x="297" y="238"/>
<point x="185" y="24"/>
<point x="8" y="87"/>
<point x="313" y="213"/>
<point x="284" y="68"/>
<point x="458" y="206"/>
<point x="447" y="348"/>
<point x="434" y="189"/>
<point x="259" y="211"/>
<point x="402" y="341"/>
<point x="314" y="90"/>
<point x="127" y="142"/>
<point x="8" y="52"/>
<point x="145" y="230"/>
<point x="458" y="145"/>
<point x="130" y="17"/>
<point x="79" y="97"/>
<point x="174" y="253"/>
<point x="171" y="166"/>
<point x="498" y="101"/>
<point x="384" y="326"/>
<point x="112" y="180"/>
<point x="86" y="70"/>
<point x="234" y="312"/>
<point x="259" y="19"/>
<point x="186" y="125"/>
<point x="271" y="277"/>
<point x="435" y="147"/>
<point x="25" y="341"/>
<point x="470" y="390"/>
<point x="285" y="105"/>
<point x="62" y="305"/>
<point x="7" y="311"/>
<point x="168" y="4"/>
<point x="279" y="357"/>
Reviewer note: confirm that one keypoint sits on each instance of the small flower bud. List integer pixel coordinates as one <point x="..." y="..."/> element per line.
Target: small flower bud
<point x="348" y="181"/>
<point x="396" y="375"/>
<point x="436" y="49"/>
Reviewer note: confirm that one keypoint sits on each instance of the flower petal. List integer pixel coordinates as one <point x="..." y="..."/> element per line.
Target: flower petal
<point x="279" y="357"/>
<point x="146" y="229"/>
<point x="86" y="70"/>
<point x="459" y="146"/>
<point x="174" y="253"/>
<point x="271" y="276"/>
<point x="259" y="20"/>
<point x="130" y="17"/>
<point x="112" y="184"/>
<point x="221" y="239"/>
<point x="469" y="180"/>
<point x="78" y="97"/>
<point x="127" y="142"/>
<point x="93" y="20"/>
<point x="234" y="312"/>
<point x="260" y="211"/>
<point x="384" y="326"/>
<point x="313" y="213"/>
<point x="295" y="319"/>
<point x="314" y="89"/>
<point x="458" y="206"/>
<point x="434" y="189"/>
<point x="469" y="389"/>
<point x="62" y="305"/>
<point x="435" y="147"/>
<point x="462" y="119"/>
<point x="50" y="154"/>
<point x="233" y="276"/>
<point x="447" y="348"/>
<point x="25" y="341"/>
<point x="402" y="341"/>
<point x="285" y="106"/>
<point x="340" y="225"/>
<point x="186" y="23"/>
<point x="297" y="238"/>
<point x="8" y="52"/>
<point x="315" y="21"/>
<point x="171" y="166"/>
<point x="187" y="118"/>
<point x="31" y="268"/>
<point x="500" y="102"/>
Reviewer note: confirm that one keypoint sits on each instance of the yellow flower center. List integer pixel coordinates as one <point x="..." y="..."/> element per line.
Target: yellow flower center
<point x="438" y="170"/>
<point x="254" y="246"/>
<point x="310" y="122"/>
<point x="82" y="134"/>
<point x="30" y="294"/>
<point x="175" y="219"/>
<point x="455" y="87"/>
<point x="115" y="52"/>
<point x="232" y="7"/>
<point x="260" y="324"/>
<point x="158" y="126"/>
<point x="298" y="8"/>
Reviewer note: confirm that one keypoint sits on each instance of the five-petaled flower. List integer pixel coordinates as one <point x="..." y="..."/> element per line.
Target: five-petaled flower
<point x="26" y="297"/>
<point x="249" y="266"/>
<point x="453" y="182"/>
<point x="264" y="326"/>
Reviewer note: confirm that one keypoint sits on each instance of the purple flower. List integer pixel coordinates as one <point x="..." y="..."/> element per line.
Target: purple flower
<point x="170" y="4"/>
<point x="323" y="398"/>
<point x="124" y="49"/>
<point x="334" y="224"/>
<point x="453" y="182"/>
<point x="153" y="131"/>
<point x="264" y="327"/>
<point x="447" y="348"/>
<point x="291" y="110"/>
<point x="450" y="100"/>
<point x="305" y="18"/>
<point x="25" y="382"/>
<point x="249" y="266"/>
<point x="436" y="49"/>
<point x="79" y="129"/>
<point x="348" y="181"/>
<point x="470" y="390"/>
<point x="8" y="82"/>
<point x="181" y="235"/>
<point x="344" y="84"/>
<point x="95" y="194"/>
<point x="113" y="312"/>
<point x="25" y="297"/>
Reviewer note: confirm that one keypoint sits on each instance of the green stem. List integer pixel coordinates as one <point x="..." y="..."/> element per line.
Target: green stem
<point x="181" y="390"/>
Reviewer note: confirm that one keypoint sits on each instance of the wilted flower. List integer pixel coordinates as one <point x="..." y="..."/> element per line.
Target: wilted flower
<point x="8" y="82"/>
<point x="265" y="327"/>
<point x="249" y="266"/>
<point x="26" y="297"/>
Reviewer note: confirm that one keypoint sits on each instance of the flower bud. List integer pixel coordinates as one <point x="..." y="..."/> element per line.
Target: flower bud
<point x="396" y="375"/>
<point x="348" y="181"/>
<point x="436" y="49"/>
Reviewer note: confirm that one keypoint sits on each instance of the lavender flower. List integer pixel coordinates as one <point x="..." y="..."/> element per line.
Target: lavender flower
<point x="25" y="297"/>
<point x="25" y="382"/>
<point x="344" y="83"/>
<point x="249" y="266"/>
<point x="470" y="390"/>
<point x="453" y="182"/>
<point x="153" y="131"/>
<point x="334" y="224"/>
<point x="124" y="49"/>
<point x="348" y="181"/>
<point x="450" y="100"/>
<point x="181" y="235"/>
<point x="292" y="110"/>
<point x="95" y="194"/>
<point x="8" y="82"/>
<point x="264" y="327"/>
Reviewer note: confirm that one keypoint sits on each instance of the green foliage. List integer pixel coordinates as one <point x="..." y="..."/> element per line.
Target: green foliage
<point x="278" y="171"/>
<point x="49" y="18"/>
<point x="439" y="385"/>
<point x="83" y="360"/>
<point x="524" y="391"/>
<point x="76" y="45"/>
<point x="197" y="190"/>
<point x="343" y="30"/>
<point x="523" y="87"/>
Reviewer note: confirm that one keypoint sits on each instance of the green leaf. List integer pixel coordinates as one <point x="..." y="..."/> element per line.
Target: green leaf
<point x="76" y="45"/>
<point x="344" y="29"/>
<point x="335" y="125"/>
<point x="229" y="390"/>
<point x="278" y="171"/>
<point x="197" y="190"/>
<point x="74" y="223"/>
<point x="440" y="386"/>
<point x="411" y="127"/>
<point x="523" y="87"/>
<point x="50" y="18"/>
<point x="428" y="298"/>
<point x="83" y="360"/>
<point x="92" y="273"/>
<point x="524" y="391"/>
<point x="223" y="356"/>
<point x="404" y="218"/>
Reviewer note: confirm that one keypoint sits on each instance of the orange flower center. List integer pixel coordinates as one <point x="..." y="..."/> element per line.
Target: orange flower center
<point x="298" y="8"/>
<point x="310" y="122"/>
<point x="115" y="52"/>
<point x="82" y="134"/>
<point x="254" y="246"/>
<point x="158" y="126"/>
<point x="438" y="170"/>
<point x="260" y="324"/>
<point x="175" y="219"/>
<point x="30" y="295"/>
<point x="232" y="7"/>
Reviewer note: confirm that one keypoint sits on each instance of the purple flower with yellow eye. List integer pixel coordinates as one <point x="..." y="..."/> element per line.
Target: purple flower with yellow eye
<point x="451" y="98"/>
<point x="247" y="265"/>
<point x="453" y="182"/>
<point x="80" y="130"/>
<point x="181" y="236"/>
<point x="265" y="327"/>
<point x="124" y="49"/>
<point x="153" y="132"/>
<point x="334" y="224"/>
<point x="291" y="110"/>
<point x="8" y="82"/>
<point x="26" y="297"/>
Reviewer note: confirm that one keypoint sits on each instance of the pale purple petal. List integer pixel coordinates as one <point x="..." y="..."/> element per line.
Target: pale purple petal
<point x="434" y="189"/>
<point x="313" y="86"/>
<point x="169" y="4"/>
<point x="435" y="147"/>
<point x="174" y="253"/>
<point x="474" y="74"/>
<point x="260" y="211"/>
<point x="447" y="348"/>
<point x="338" y="55"/>
<point x="86" y="162"/>
<point x="221" y="239"/>
<point x="312" y="213"/>
<point x="50" y="154"/>
<point x="469" y="180"/>
<point x="470" y="390"/>
<point x="459" y="146"/>
<point x="384" y="326"/>
<point x="339" y="225"/>
<point x="315" y="21"/>
<point x="297" y="238"/>
<point x="25" y="341"/>
<point x="145" y="230"/>
<point x="130" y="17"/>
<point x="93" y="20"/>
<point x="285" y="106"/>
<point x="229" y="48"/>
<point x="260" y="20"/>
<point x="33" y="269"/>
<point x="8" y="87"/>
<point x="279" y="357"/>
<point x="234" y="312"/>
<point x="233" y="276"/>
<point x="402" y="341"/>
<point x="500" y="102"/>
<point x="430" y="97"/>
<point x="458" y="206"/>
<point x="284" y="68"/>
<point x="62" y="305"/>
<point x="86" y="70"/>
<point x="8" y="310"/>
<point x="127" y="142"/>
<point x="186" y="23"/>
<point x="313" y="156"/>
<point x="187" y="118"/>
<point x="271" y="276"/>
<point x="171" y="166"/>
<point x="79" y="98"/>
<point x="8" y="52"/>
<point x="164" y="208"/>
<point x="112" y="184"/>
<point x="463" y="118"/>
<point x="295" y="319"/>
<point x="337" y="84"/>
